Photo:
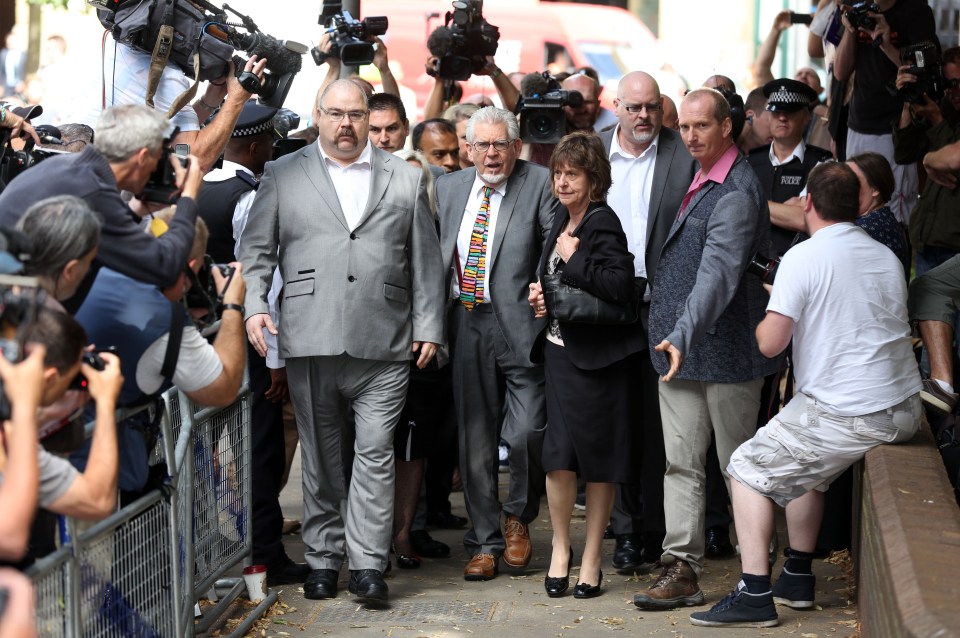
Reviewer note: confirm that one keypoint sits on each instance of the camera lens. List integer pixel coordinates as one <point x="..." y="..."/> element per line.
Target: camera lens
<point x="543" y="125"/>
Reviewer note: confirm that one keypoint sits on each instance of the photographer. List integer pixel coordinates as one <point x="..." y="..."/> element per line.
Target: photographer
<point x="126" y="151"/>
<point x="923" y="127"/>
<point x="435" y="107"/>
<point x="870" y="45"/>
<point x="388" y="82"/>
<point x="142" y="322"/>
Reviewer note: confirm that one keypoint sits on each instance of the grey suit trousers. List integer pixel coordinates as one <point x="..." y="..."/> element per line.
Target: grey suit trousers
<point x="495" y="398"/>
<point x="319" y="390"/>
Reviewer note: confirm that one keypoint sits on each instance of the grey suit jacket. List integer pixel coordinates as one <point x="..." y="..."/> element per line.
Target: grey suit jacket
<point x="368" y="293"/>
<point x="523" y="222"/>
<point x="704" y="302"/>
<point x="672" y="175"/>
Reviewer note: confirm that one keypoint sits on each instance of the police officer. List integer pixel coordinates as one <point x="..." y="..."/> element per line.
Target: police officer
<point x="783" y="165"/>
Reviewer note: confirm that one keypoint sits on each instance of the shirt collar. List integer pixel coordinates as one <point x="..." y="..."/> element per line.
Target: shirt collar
<point x="225" y="172"/>
<point x="479" y="185"/>
<point x="798" y="152"/>
<point x="616" y="149"/>
<point x="363" y="160"/>
<point x="719" y="171"/>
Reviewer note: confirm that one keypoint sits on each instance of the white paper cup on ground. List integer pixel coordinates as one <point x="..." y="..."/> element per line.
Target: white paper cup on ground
<point x="255" y="576"/>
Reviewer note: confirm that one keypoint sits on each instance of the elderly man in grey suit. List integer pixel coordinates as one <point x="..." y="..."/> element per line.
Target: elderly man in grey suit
<point x="704" y="309"/>
<point x="363" y="293"/>
<point x="493" y="222"/>
<point x="651" y="170"/>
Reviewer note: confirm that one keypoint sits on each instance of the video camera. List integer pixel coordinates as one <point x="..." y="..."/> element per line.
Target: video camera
<point x="13" y="162"/>
<point x="350" y="38"/>
<point x="925" y="63"/>
<point x="203" y="296"/>
<point x="191" y="28"/>
<point x="764" y="267"/>
<point x="859" y="14"/>
<point x="542" y="119"/>
<point x="465" y="41"/>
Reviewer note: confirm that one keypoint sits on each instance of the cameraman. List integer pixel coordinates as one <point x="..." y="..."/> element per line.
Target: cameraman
<point x="870" y="45"/>
<point x="435" y="107"/>
<point x="388" y="83"/>
<point x="923" y="127"/>
<point x="128" y="146"/>
<point x="142" y="322"/>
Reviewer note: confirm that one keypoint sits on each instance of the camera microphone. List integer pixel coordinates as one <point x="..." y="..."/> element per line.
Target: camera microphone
<point x="440" y="41"/>
<point x="534" y="84"/>
<point x="49" y="134"/>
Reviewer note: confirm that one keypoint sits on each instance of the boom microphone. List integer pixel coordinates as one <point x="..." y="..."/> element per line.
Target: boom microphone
<point x="534" y="84"/>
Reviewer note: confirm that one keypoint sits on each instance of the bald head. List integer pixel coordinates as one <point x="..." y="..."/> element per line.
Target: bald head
<point x="583" y="117"/>
<point x="808" y="75"/>
<point x="720" y="82"/>
<point x="639" y="108"/>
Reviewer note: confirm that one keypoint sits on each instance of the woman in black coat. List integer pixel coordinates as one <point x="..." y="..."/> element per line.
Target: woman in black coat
<point x="587" y="393"/>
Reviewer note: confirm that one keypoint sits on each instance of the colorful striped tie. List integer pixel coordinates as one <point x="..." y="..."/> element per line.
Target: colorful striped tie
<point x="471" y="288"/>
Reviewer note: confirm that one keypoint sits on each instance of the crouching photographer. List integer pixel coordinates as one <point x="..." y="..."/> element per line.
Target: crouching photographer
<point x="159" y="346"/>
<point x="928" y="125"/>
<point x="128" y="148"/>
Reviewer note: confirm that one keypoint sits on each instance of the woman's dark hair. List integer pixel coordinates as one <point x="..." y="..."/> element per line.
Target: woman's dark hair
<point x="584" y="150"/>
<point x="60" y="229"/>
<point x="62" y="335"/>
<point x="877" y="170"/>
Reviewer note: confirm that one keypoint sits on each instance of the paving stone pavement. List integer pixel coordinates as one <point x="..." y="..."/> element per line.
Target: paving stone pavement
<point x="436" y="601"/>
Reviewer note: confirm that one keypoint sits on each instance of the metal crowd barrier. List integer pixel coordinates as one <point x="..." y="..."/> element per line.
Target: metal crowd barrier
<point x="141" y="571"/>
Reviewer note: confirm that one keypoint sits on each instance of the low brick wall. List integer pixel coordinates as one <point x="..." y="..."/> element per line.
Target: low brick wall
<point x="908" y="550"/>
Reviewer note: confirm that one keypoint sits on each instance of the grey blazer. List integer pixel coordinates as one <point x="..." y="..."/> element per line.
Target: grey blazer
<point x="368" y="293"/>
<point x="704" y="302"/>
<point x="524" y="220"/>
<point x="672" y="175"/>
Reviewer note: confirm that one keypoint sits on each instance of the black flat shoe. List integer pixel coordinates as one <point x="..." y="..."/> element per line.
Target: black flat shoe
<point x="557" y="586"/>
<point x="408" y="562"/>
<point x="368" y="585"/>
<point x="321" y="584"/>
<point x="583" y="590"/>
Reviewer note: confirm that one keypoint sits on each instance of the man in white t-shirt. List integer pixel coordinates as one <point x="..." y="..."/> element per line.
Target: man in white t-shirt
<point x="840" y="298"/>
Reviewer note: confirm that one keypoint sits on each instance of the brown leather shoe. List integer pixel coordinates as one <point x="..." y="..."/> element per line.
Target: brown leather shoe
<point x="481" y="567"/>
<point x="518" y="550"/>
<point x="676" y="587"/>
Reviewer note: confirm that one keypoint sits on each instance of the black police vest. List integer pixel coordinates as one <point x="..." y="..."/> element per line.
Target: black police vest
<point x="780" y="183"/>
<point x="216" y="203"/>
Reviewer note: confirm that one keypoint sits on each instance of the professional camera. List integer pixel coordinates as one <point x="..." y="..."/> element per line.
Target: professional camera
<point x="925" y="63"/>
<point x="192" y="37"/>
<point x="465" y="41"/>
<point x="542" y="119"/>
<point x="20" y="300"/>
<point x="202" y="295"/>
<point x="162" y="184"/>
<point x="350" y="38"/>
<point x="13" y="162"/>
<point x="858" y="14"/>
<point x="764" y="267"/>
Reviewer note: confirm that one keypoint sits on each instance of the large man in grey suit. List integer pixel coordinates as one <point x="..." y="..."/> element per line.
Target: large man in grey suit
<point x="651" y="170"/>
<point x="363" y="292"/>
<point x="703" y="312"/>
<point x="493" y="221"/>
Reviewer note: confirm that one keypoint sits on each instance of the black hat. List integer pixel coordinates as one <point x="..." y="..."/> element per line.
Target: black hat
<point x="28" y="112"/>
<point x="254" y="119"/>
<point x="788" y="95"/>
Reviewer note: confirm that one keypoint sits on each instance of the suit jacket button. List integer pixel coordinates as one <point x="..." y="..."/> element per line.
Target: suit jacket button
<point x="351" y="278"/>
<point x="353" y="235"/>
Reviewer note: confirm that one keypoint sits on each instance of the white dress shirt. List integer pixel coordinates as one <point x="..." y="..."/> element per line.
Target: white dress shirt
<point x="629" y="196"/>
<point x="466" y="230"/>
<point x="352" y="183"/>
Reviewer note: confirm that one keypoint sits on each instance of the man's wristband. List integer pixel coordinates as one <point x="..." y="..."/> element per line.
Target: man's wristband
<point x="495" y="73"/>
<point x="3" y="112"/>
<point x="207" y="106"/>
<point x="234" y="306"/>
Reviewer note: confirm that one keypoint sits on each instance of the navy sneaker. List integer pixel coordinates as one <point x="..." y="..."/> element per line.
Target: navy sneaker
<point x="740" y="609"/>
<point x="794" y="590"/>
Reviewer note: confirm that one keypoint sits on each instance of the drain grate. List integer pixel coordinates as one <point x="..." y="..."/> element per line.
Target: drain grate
<point x="410" y="612"/>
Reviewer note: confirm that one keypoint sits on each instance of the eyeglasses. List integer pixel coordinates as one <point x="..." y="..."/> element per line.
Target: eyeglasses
<point x="638" y="108"/>
<point x="499" y="145"/>
<point x="337" y="115"/>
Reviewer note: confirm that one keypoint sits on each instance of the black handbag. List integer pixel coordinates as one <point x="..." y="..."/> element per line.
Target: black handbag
<point x="566" y="302"/>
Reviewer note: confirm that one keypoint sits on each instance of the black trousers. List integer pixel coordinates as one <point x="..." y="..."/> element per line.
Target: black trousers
<point x="266" y="464"/>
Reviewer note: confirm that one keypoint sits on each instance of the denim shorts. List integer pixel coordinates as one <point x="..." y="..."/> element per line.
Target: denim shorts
<point x="805" y="447"/>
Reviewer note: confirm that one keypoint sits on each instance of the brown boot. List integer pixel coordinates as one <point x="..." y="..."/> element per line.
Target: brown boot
<point x="518" y="550"/>
<point x="676" y="587"/>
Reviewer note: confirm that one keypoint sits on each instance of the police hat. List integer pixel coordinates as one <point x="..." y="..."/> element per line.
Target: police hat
<point x="788" y="95"/>
<point x="254" y="119"/>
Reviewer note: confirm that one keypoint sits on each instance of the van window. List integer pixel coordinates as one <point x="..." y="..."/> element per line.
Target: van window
<point x="556" y="59"/>
<point x="608" y="59"/>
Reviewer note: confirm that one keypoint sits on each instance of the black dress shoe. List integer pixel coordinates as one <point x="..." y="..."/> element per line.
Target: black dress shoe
<point x="445" y="520"/>
<point x="608" y="533"/>
<point x="717" y="543"/>
<point x="583" y="590"/>
<point x="405" y="561"/>
<point x="285" y="571"/>
<point x="426" y="546"/>
<point x="368" y="585"/>
<point x="320" y="584"/>
<point x="556" y="586"/>
<point x="628" y="553"/>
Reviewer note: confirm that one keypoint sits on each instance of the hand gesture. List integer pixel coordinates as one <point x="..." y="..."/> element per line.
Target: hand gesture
<point x="567" y="244"/>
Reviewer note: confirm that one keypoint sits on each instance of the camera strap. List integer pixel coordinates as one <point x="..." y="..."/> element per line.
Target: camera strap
<point x="170" y="357"/>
